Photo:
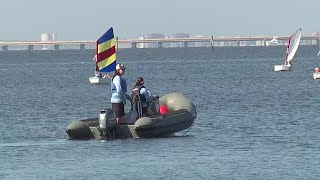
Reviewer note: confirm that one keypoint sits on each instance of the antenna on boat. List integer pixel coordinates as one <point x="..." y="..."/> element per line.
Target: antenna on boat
<point x="117" y="44"/>
<point x="212" y="43"/>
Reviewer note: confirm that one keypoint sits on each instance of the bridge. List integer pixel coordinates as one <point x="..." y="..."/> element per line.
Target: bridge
<point x="133" y="42"/>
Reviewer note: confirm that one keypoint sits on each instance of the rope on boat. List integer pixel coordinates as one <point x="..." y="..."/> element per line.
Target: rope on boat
<point x="195" y="114"/>
<point x="188" y="129"/>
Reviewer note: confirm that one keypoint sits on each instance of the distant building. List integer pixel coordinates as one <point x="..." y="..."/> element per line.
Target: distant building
<point x="45" y="37"/>
<point x="141" y="45"/>
<point x="152" y="36"/>
<point x="313" y="42"/>
<point x="180" y="35"/>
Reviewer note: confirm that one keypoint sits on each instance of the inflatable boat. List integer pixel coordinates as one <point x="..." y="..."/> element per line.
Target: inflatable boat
<point x="180" y="115"/>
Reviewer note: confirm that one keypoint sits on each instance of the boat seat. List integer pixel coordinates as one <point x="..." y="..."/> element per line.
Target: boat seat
<point x="130" y="117"/>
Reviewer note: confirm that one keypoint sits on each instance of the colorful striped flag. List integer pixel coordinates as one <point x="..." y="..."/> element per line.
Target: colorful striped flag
<point x="106" y="52"/>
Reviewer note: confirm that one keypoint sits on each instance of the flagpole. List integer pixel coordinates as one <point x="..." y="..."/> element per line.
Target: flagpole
<point x="97" y="69"/>
<point x="117" y="45"/>
<point x="212" y="43"/>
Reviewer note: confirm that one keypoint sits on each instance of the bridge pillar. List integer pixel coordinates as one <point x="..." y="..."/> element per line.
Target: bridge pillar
<point x="318" y="42"/>
<point x="159" y="44"/>
<point x="134" y="45"/>
<point x="30" y="47"/>
<point x="238" y="43"/>
<point x="265" y="43"/>
<point x="5" y="47"/>
<point x="185" y="44"/>
<point x="82" y="46"/>
<point x="56" y="47"/>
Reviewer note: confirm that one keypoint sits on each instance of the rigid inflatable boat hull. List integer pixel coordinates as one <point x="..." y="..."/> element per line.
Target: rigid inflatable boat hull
<point x="181" y="116"/>
<point x="148" y="127"/>
<point x="79" y="129"/>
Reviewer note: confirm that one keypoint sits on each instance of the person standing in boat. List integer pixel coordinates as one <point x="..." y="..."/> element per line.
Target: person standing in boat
<point x="119" y="93"/>
<point x="140" y="93"/>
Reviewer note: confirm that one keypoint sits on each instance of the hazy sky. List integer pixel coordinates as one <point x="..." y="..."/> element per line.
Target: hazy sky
<point x="87" y="20"/>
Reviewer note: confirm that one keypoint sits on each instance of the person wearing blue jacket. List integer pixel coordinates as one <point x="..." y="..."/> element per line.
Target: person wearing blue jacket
<point x="119" y="93"/>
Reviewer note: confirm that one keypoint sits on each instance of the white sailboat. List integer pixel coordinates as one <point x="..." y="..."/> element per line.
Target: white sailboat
<point x="316" y="74"/>
<point x="293" y="44"/>
<point x="98" y="77"/>
<point x="97" y="80"/>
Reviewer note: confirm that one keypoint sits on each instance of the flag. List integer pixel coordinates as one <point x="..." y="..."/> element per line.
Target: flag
<point x="106" y="52"/>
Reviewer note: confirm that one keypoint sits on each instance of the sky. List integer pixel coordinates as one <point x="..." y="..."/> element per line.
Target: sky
<point x="88" y="20"/>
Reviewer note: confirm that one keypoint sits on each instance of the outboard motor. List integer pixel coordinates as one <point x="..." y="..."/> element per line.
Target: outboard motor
<point x="107" y="123"/>
<point x="103" y="122"/>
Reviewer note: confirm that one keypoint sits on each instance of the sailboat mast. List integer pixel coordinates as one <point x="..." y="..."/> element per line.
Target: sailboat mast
<point x="96" y="60"/>
<point x="293" y="45"/>
<point x="287" y="51"/>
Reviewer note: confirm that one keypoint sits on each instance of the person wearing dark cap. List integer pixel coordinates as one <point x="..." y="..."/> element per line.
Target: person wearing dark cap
<point x="143" y="95"/>
<point x="119" y="93"/>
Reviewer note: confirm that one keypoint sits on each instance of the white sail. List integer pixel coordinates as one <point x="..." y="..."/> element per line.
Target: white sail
<point x="318" y="53"/>
<point x="293" y="44"/>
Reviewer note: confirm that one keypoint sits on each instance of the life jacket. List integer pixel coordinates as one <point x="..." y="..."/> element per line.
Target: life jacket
<point x="123" y="85"/>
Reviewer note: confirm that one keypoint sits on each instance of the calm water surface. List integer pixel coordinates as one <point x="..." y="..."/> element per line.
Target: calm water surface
<point x="253" y="123"/>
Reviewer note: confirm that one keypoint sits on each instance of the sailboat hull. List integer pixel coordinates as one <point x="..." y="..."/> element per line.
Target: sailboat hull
<point x="97" y="80"/>
<point x="282" y="68"/>
<point x="316" y="75"/>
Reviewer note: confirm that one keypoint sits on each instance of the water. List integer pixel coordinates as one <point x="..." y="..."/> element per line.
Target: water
<point x="253" y="123"/>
